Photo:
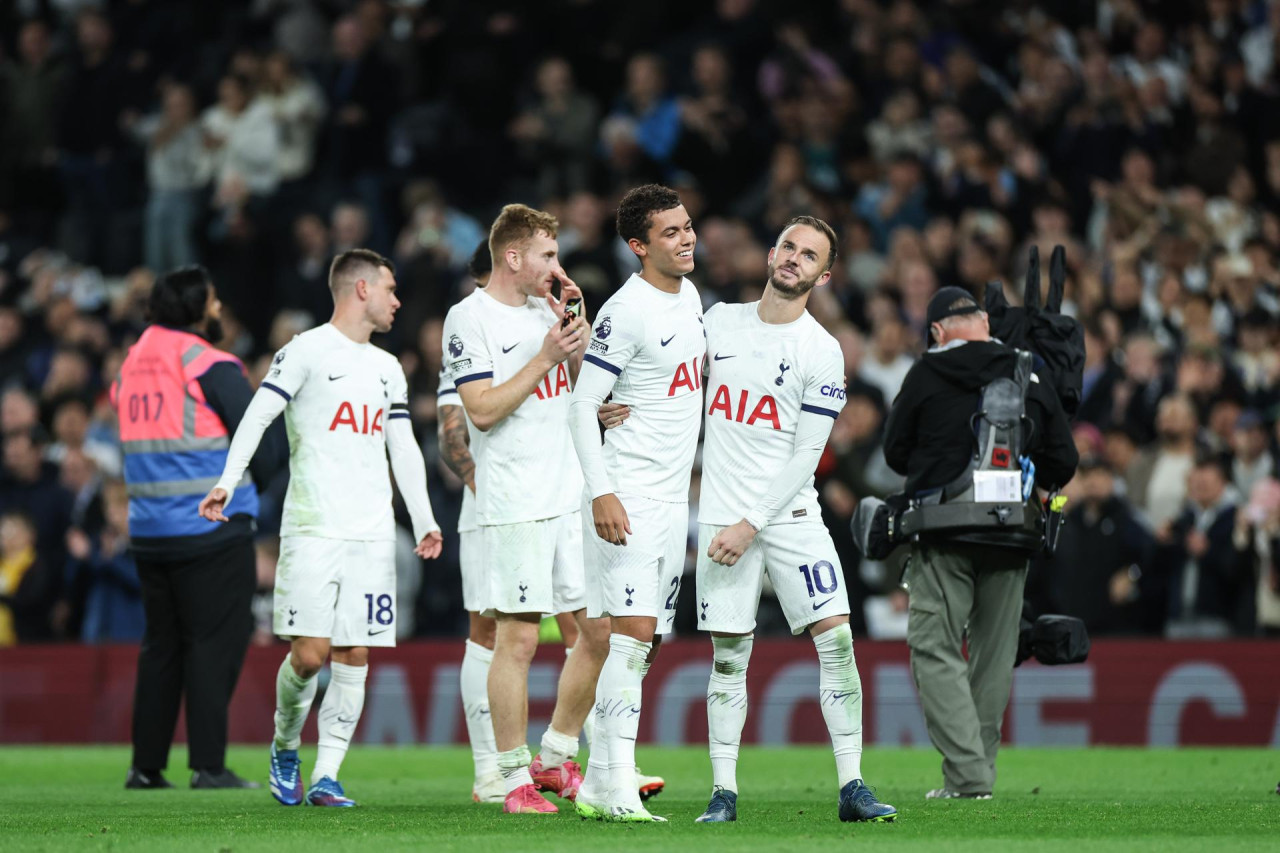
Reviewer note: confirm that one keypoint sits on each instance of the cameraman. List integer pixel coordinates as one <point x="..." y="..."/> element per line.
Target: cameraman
<point x="973" y="587"/>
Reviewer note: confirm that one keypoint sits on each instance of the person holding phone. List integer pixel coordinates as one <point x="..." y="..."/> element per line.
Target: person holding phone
<point x="513" y="352"/>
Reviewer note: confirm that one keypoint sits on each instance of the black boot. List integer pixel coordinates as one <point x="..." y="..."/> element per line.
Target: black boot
<point x="223" y="778"/>
<point x="140" y="780"/>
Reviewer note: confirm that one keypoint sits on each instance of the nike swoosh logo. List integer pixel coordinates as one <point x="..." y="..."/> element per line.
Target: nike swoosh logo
<point x="668" y="340"/>
<point x="720" y="357"/>
<point x="823" y="604"/>
<point x="385" y="630"/>
<point x="331" y="378"/>
<point x="506" y="350"/>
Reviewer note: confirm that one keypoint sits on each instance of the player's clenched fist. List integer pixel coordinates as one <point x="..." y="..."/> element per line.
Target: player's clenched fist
<point x="612" y="524"/>
<point x="211" y="506"/>
<point x="728" y="546"/>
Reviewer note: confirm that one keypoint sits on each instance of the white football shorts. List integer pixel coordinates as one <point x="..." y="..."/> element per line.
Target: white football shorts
<point x="342" y="589"/>
<point x="803" y="568"/>
<point x="475" y="583"/>
<point x="534" y="566"/>
<point x="643" y="577"/>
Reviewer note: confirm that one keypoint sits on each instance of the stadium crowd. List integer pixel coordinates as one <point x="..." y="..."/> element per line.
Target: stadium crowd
<point x="942" y="139"/>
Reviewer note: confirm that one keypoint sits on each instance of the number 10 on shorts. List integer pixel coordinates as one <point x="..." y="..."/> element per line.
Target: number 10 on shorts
<point x="815" y="578"/>
<point x="379" y="610"/>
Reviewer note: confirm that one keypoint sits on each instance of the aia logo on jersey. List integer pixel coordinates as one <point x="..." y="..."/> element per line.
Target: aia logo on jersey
<point x="603" y="328"/>
<point x="546" y="389"/>
<point x="346" y="417"/>
<point x="765" y="410"/>
<point x="686" y="376"/>
<point x="455" y="346"/>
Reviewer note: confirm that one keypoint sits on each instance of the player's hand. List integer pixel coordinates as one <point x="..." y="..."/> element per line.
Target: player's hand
<point x="613" y="414"/>
<point x="568" y="290"/>
<point x="212" y="505"/>
<point x="430" y="546"/>
<point x="728" y="546"/>
<point x="612" y="524"/>
<point x="562" y="342"/>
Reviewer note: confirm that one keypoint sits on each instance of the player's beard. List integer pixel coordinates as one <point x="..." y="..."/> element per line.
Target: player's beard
<point x="792" y="289"/>
<point x="213" y="330"/>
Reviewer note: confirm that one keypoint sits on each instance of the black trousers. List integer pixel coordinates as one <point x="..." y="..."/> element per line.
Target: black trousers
<point x="198" y="626"/>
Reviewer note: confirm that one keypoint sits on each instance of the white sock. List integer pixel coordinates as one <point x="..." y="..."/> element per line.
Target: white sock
<point x="514" y="767"/>
<point x="618" y="697"/>
<point x="475" y="705"/>
<point x="294" y="695"/>
<point x="557" y="748"/>
<point x="840" y="695"/>
<point x="589" y="724"/>
<point x="727" y="707"/>
<point x="339" y="713"/>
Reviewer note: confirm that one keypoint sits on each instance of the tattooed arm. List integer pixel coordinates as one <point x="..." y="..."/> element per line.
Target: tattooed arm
<point x="454" y="444"/>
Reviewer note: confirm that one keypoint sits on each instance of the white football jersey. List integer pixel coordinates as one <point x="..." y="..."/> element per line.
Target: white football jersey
<point x="654" y="343"/>
<point x="340" y="395"/>
<point x="447" y="395"/>
<point x="760" y="377"/>
<point x="526" y="468"/>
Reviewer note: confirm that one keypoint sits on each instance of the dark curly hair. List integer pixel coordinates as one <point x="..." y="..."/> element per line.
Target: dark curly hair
<point x="636" y="210"/>
<point x="178" y="298"/>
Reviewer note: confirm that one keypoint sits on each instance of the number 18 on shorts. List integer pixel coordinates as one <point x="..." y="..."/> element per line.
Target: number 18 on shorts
<point x="341" y="589"/>
<point x="803" y="568"/>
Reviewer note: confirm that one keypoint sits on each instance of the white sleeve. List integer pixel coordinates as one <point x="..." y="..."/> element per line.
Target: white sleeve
<point x="614" y="342"/>
<point x="265" y="407"/>
<point x="594" y="384"/>
<point x="406" y="460"/>
<point x="812" y="431"/>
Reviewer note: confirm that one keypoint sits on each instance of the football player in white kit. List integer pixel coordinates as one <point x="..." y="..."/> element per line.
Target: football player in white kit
<point x="775" y="385"/>
<point x="455" y="433"/>
<point x="510" y="351"/>
<point x="346" y="406"/>
<point x="647" y="351"/>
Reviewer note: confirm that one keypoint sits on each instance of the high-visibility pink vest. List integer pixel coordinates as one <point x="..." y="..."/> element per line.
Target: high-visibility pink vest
<point x="175" y="444"/>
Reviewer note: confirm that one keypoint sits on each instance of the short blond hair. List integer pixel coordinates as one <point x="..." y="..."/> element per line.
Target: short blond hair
<point x="516" y="225"/>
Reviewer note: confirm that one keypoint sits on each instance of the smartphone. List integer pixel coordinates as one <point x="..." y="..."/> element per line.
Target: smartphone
<point x="572" y="311"/>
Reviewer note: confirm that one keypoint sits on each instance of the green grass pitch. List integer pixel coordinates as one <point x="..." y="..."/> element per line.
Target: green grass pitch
<point x="72" y="798"/>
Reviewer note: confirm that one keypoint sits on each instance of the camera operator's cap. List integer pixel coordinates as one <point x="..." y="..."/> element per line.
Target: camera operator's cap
<point x="940" y="307"/>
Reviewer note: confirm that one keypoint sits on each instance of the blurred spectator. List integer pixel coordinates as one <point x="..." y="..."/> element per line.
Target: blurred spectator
<point x="888" y="363"/>
<point x="243" y="139"/>
<point x="1257" y="534"/>
<point x="31" y="486"/>
<point x="303" y="282"/>
<point x="1211" y="585"/>
<point x="1096" y="573"/>
<point x="177" y="171"/>
<point x="653" y="112"/>
<point x="898" y="200"/>
<point x="98" y="90"/>
<point x="32" y="85"/>
<point x="298" y="106"/>
<point x="27" y="583"/>
<point x="555" y="132"/>
<point x="71" y="434"/>
<point x="1162" y="494"/>
<point x="113" y="602"/>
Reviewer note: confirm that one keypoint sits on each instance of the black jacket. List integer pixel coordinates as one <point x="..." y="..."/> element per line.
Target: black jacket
<point x="929" y="439"/>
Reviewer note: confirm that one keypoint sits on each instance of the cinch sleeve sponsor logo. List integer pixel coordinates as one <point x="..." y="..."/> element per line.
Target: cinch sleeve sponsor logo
<point x="833" y="390"/>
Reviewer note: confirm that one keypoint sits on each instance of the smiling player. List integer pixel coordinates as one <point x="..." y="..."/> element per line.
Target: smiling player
<point x="775" y="386"/>
<point x="346" y="404"/>
<point x="647" y="351"/>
